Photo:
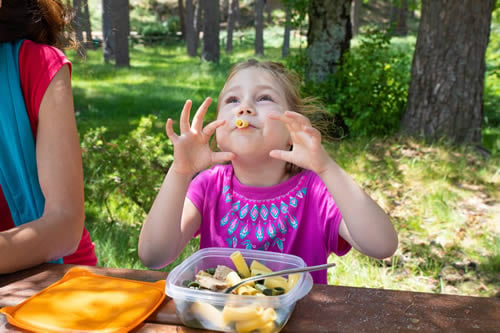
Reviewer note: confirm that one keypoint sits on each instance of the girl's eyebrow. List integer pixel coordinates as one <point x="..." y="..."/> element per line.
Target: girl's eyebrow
<point x="259" y="86"/>
<point x="266" y="87"/>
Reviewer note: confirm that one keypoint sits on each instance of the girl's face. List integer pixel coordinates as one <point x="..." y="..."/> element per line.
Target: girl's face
<point x="252" y="94"/>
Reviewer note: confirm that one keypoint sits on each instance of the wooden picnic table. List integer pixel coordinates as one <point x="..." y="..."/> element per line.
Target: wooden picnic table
<point x="325" y="309"/>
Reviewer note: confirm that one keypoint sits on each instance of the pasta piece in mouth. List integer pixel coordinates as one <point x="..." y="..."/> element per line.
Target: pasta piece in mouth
<point x="241" y="123"/>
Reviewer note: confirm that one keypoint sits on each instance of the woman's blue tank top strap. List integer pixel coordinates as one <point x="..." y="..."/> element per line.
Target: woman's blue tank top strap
<point x="18" y="168"/>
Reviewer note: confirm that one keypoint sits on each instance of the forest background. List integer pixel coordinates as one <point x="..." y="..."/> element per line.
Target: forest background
<point x="441" y="196"/>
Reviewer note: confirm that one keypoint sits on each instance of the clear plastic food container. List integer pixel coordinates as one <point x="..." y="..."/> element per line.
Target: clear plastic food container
<point x="204" y="308"/>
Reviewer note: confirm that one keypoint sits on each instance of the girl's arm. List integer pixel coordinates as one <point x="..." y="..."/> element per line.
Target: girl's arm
<point x="171" y="222"/>
<point x="58" y="231"/>
<point x="173" y="219"/>
<point x="365" y="225"/>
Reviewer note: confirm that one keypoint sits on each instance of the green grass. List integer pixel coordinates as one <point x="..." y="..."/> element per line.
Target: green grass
<point x="443" y="200"/>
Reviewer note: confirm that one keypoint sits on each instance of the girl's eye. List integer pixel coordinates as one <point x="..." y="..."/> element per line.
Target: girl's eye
<point x="231" y="99"/>
<point x="265" y="98"/>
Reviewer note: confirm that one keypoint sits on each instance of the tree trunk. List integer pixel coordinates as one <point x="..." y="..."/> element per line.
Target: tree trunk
<point x="259" y="27"/>
<point x="121" y="29"/>
<point x="236" y="14"/>
<point x="231" y="18"/>
<point x="88" y="28"/>
<point x="211" y="48"/>
<point x="181" y="18"/>
<point x="224" y="13"/>
<point x="445" y="98"/>
<point x="399" y="14"/>
<point x="328" y="37"/>
<point x="286" y="35"/>
<point x="108" y="44"/>
<point x="78" y="25"/>
<point x="355" y="15"/>
<point x="269" y="12"/>
<point x="198" y="22"/>
<point x="189" y="29"/>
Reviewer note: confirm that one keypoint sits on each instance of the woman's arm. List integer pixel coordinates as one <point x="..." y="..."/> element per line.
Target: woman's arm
<point x="59" y="229"/>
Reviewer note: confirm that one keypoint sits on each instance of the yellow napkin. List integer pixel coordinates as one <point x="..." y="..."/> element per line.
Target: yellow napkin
<point x="84" y="301"/>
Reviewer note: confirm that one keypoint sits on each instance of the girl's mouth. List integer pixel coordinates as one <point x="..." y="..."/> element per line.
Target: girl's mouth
<point x="241" y="123"/>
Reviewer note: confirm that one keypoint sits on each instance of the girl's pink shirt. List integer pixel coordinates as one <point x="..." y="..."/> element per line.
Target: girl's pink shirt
<point x="38" y="64"/>
<point x="297" y="216"/>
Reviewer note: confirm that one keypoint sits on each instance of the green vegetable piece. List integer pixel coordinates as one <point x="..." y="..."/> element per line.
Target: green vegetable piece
<point x="194" y="285"/>
<point x="210" y="271"/>
<point x="186" y="283"/>
<point x="268" y="292"/>
<point x="260" y="287"/>
<point x="259" y="281"/>
<point x="278" y="291"/>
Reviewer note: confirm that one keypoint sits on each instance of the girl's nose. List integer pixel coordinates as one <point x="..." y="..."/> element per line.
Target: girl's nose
<point x="244" y="110"/>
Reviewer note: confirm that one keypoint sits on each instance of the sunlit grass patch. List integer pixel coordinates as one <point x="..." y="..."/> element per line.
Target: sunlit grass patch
<point x="441" y="200"/>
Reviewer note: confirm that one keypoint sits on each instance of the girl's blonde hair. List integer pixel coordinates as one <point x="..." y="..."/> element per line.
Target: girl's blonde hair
<point x="290" y="83"/>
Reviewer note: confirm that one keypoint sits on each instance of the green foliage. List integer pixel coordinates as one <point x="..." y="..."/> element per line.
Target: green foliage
<point x="369" y="90"/>
<point x="298" y="12"/>
<point x="122" y="176"/>
<point x="491" y="123"/>
<point x="152" y="29"/>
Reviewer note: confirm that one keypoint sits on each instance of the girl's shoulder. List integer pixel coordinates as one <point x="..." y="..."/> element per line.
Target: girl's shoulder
<point x="216" y="170"/>
<point x="214" y="173"/>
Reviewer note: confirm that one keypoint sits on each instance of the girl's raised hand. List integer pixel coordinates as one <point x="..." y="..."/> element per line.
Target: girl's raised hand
<point x="307" y="151"/>
<point x="191" y="149"/>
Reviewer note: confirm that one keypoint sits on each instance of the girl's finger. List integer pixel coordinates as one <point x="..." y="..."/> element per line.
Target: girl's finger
<point x="302" y="138"/>
<point x="220" y="157"/>
<point x="314" y="133"/>
<point x="296" y="121"/>
<point x="292" y="122"/>
<point x="170" y="130"/>
<point x="281" y="155"/>
<point x="277" y="116"/>
<point x="197" y="124"/>
<point x="184" y="121"/>
<point x="210" y="128"/>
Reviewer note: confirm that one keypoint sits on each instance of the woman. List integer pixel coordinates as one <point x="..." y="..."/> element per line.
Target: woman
<point x="41" y="178"/>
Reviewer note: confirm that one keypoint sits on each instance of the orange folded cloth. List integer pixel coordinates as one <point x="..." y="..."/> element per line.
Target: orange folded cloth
<point x="84" y="301"/>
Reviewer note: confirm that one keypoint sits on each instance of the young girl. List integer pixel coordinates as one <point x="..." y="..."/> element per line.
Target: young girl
<point x="281" y="190"/>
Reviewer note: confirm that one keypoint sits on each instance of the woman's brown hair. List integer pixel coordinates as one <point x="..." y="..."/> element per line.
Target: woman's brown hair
<point x="42" y="21"/>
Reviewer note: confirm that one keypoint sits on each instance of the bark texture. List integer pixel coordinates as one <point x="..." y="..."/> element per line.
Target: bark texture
<point x="328" y="37"/>
<point x="445" y="98"/>
<point x="121" y="29"/>
<point x="190" y="29"/>
<point x="211" y="47"/>
<point x="108" y="44"/>
<point x="259" y="27"/>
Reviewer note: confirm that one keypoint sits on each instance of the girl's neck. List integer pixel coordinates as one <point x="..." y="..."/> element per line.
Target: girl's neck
<point x="261" y="175"/>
